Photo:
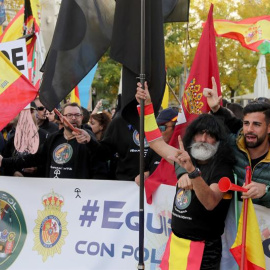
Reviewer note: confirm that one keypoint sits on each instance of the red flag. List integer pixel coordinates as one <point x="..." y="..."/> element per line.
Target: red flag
<point x="15" y="91"/>
<point x="204" y="66"/>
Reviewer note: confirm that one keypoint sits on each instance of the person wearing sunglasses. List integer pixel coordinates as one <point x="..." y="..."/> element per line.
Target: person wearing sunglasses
<point x="42" y="119"/>
<point x="10" y="151"/>
<point x="166" y="121"/>
<point x="66" y="153"/>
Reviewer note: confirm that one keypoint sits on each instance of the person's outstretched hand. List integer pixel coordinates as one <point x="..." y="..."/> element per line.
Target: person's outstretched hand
<point x="213" y="100"/>
<point x="143" y="93"/>
<point x="182" y="157"/>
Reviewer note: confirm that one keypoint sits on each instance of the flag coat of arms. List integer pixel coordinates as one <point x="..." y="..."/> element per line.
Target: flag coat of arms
<point x="252" y="33"/>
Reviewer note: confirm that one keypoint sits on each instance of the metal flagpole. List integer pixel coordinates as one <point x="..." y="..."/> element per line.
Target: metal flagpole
<point x="142" y="81"/>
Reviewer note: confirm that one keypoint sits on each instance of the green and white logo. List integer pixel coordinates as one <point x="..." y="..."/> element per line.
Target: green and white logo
<point x="12" y="230"/>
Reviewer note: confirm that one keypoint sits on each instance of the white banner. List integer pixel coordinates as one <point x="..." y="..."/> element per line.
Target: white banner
<point x="89" y="224"/>
<point x="16" y="52"/>
<point x="92" y="224"/>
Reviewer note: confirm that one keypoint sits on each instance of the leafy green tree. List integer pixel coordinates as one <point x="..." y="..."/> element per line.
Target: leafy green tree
<point x="106" y="80"/>
<point x="12" y="5"/>
<point x="237" y="65"/>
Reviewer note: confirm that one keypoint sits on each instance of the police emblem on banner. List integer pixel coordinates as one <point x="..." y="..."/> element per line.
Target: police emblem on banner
<point x="12" y="230"/>
<point x="51" y="227"/>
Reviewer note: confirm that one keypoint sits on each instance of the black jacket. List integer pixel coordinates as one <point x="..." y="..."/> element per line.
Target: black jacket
<point x="85" y="165"/>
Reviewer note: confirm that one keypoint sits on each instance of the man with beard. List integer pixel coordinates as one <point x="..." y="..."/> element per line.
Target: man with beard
<point x="199" y="208"/>
<point x="250" y="141"/>
<point x="66" y="154"/>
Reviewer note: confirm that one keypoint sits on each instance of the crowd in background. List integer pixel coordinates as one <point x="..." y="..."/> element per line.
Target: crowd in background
<point x="118" y="151"/>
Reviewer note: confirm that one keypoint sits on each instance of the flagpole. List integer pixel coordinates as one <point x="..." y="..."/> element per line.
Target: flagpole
<point x="176" y="98"/>
<point x="244" y="231"/>
<point x="142" y="81"/>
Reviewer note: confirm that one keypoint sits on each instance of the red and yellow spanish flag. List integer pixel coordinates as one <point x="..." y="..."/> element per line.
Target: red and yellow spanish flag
<point x="252" y="33"/>
<point x="182" y="254"/>
<point x="15" y="91"/>
<point x="25" y="22"/>
<point x="14" y="30"/>
<point x="75" y="96"/>
<point x="255" y="259"/>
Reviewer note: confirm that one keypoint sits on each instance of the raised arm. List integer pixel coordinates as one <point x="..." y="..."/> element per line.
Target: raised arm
<point x="213" y="101"/>
<point x="209" y="196"/>
<point x="156" y="141"/>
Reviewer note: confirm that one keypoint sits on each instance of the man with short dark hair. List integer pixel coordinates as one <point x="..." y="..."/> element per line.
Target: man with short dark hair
<point x="250" y="141"/>
<point x="66" y="153"/>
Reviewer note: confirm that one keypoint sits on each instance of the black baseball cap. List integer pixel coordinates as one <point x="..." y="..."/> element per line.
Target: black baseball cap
<point x="167" y="115"/>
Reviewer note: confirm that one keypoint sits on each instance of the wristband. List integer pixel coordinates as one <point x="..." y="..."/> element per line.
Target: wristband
<point x="151" y="131"/>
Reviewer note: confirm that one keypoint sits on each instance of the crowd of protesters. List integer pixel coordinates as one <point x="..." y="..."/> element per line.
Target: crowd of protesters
<point x="115" y="156"/>
<point x="215" y="145"/>
<point x="98" y="145"/>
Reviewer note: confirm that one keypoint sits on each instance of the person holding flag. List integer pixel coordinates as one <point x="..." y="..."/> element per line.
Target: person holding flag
<point x="250" y="142"/>
<point x="166" y="121"/>
<point x="199" y="208"/>
<point x="61" y="150"/>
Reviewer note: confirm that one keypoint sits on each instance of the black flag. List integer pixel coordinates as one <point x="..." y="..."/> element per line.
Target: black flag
<point x="82" y="35"/>
<point x="125" y="48"/>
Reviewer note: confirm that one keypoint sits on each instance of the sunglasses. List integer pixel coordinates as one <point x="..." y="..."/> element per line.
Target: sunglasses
<point x="41" y="108"/>
<point x="162" y="128"/>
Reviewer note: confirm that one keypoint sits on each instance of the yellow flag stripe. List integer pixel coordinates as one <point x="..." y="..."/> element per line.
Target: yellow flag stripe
<point x="150" y="122"/>
<point x="178" y="260"/>
<point x="15" y="28"/>
<point x="165" y="100"/>
<point x="35" y="6"/>
<point x="11" y="76"/>
<point x="223" y="27"/>
<point x="254" y="249"/>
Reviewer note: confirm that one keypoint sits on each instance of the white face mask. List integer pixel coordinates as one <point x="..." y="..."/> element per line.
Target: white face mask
<point x="203" y="151"/>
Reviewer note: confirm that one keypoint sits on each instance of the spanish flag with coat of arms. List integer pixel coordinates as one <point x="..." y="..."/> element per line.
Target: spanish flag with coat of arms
<point x="252" y="33"/>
